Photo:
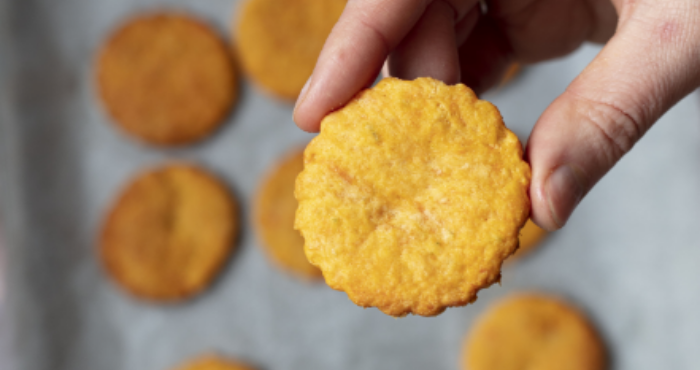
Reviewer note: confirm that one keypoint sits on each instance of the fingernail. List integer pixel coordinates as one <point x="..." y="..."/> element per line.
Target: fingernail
<point x="564" y="190"/>
<point x="302" y="94"/>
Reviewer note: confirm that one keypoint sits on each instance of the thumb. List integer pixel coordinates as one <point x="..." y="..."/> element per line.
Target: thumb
<point x="650" y="64"/>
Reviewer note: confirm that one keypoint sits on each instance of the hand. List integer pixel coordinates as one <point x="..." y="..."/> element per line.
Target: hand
<point x="650" y="61"/>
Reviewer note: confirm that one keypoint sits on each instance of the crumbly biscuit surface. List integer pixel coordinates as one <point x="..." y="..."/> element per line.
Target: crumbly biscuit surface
<point x="412" y="196"/>
<point x="169" y="233"/>
<point x="275" y="209"/>
<point x="279" y="41"/>
<point x="533" y="332"/>
<point x="213" y="362"/>
<point x="166" y="78"/>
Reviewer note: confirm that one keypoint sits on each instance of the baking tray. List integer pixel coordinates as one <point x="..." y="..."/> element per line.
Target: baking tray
<point x="629" y="256"/>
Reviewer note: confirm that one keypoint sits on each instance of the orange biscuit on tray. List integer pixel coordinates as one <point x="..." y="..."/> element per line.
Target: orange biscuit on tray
<point x="275" y="207"/>
<point x="412" y="196"/>
<point x="166" y="78"/>
<point x="530" y="237"/>
<point x="213" y="362"/>
<point x="278" y="41"/>
<point x="534" y="332"/>
<point x="169" y="233"/>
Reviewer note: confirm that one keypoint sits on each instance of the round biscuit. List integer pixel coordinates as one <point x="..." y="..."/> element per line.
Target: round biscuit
<point x="213" y="362"/>
<point x="279" y="41"/>
<point x="530" y="237"/>
<point x="166" y="79"/>
<point x="169" y="233"/>
<point x="535" y="332"/>
<point x="275" y="207"/>
<point x="412" y="196"/>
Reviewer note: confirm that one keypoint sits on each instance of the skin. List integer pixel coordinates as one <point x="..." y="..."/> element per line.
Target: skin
<point x="650" y="61"/>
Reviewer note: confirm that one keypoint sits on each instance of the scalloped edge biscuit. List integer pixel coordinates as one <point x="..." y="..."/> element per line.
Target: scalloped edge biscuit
<point x="412" y="196"/>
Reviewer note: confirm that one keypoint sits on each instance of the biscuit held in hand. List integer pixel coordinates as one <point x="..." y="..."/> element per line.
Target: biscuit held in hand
<point x="412" y="196"/>
<point x="169" y="233"/>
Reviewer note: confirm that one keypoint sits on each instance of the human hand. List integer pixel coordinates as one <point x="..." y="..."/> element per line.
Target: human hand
<point x="650" y="61"/>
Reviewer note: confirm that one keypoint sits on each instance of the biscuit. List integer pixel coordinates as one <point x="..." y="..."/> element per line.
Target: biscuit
<point x="275" y="207"/>
<point x="279" y="41"/>
<point x="169" y="233"/>
<point x="511" y="72"/>
<point x="412" y="196"/>
<point x="166" y="79"/>
<point x="534" y="332"/>
<point x="213" y="362"/>
<point x="530" y="237"/>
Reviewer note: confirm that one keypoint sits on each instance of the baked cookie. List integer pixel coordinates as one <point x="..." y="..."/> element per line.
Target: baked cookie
<point x="213" y="362"/>
<point x="530" y="237"/>
<point x="166" y="78"/>
<point x="534" y="332"/>
<point x="169" y="233"/>
<point x="275" y="207"/>
<point x="279" y="41"/>
<point x="412" y="196"/>
<point x="511" y="72"/>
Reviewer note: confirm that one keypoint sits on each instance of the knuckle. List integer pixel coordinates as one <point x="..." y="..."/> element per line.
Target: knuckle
<point x="617" y="128"/>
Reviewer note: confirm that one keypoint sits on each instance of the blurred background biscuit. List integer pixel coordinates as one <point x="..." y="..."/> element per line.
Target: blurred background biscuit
<point x="213" y="362"/>
<point x="534" y="332"/>
<point x="169" y="233"/>
<point x="274" y="213"/>
<point x="166" y="78"/>
<point x="278" y="41"/>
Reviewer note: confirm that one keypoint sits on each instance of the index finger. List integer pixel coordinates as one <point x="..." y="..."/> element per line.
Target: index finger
<point x="353" y="54"/>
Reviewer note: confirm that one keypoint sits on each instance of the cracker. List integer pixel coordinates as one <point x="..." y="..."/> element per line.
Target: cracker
<point x="213" y="362"/>
<point x="169" y="233"/>
<point x="530" y="237"/>
<point x="166" y="79"/>
<point x="275" y="207"/>
<point x="510" y="74"/>
<point x="535" y="332"/>
<point x="412" y="196"/>
<point x="279" y="41"/>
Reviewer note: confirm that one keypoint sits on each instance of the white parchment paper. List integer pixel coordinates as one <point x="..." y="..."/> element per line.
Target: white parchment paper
<point x="630" y="255"/>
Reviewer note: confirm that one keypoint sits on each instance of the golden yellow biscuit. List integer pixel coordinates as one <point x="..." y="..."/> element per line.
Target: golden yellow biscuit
<point x="533" y="332"/>
<point x="213" y="362"/>
<point x="412" y="196"/>
<point x="530" y="237"/>
<point x="275" y="207"/>
<point x="166" y="78"/>
<point x="169" y="233"/>
<point x="279" y="41"/>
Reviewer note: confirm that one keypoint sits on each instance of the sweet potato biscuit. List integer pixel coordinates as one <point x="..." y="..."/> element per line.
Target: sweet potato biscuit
<point x="412" y="196"/>
<point x="512" y="71"/>
<point x="279" y="40"/>
<point x="166" y="78"/>
<point x="213" y="362"/>
<point x="169" y="233"/>
<point x="530" y="237"/>
<point x="533" y="332"/>
<point x="275" y="208"/>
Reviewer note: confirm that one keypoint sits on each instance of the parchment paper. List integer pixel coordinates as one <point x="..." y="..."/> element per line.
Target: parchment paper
<point x="630" y="255"/>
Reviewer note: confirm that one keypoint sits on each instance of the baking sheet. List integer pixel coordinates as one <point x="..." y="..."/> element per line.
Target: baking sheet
<point x="629" y="256"/>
